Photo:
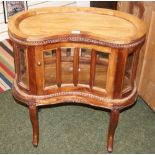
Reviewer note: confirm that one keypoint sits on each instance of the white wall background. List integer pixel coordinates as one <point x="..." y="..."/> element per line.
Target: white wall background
<point x="37" y="4"/>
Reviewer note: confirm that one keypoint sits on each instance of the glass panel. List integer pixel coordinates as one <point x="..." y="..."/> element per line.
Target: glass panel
<point x="84" y="66"/>
<point x="101" y="69"/>
<point x="23" y="67"/>
<point x="128" y="71"/>
<point x="67" y="56"/>
<point x="50" y="67"/>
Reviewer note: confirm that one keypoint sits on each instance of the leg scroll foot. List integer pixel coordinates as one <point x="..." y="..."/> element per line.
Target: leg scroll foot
<point x="112" y="126"/>
<point x="33" y="112"/>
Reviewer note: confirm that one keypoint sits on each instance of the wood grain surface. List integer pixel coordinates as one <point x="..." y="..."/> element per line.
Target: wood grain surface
<point x="107" y="25"/>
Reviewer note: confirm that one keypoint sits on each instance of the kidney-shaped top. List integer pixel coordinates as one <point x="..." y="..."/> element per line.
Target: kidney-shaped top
<point x="111" y="26"/>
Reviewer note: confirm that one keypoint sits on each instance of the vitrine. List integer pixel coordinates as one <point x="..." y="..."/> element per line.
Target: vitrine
<point x="78" y="55"/>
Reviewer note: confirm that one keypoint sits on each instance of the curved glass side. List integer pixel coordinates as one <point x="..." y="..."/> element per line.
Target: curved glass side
<point x="23" y="69"/>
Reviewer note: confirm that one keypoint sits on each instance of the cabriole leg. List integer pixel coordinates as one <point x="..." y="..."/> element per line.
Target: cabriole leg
<point x="33" y="112"/>
<point x="112" y="126"/>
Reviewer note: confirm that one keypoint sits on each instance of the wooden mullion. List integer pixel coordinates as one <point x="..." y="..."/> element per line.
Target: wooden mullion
<point x="39" y="69"/>
<point x="58" y="67"/>
<point x="92" y="68"/>
<point x="32" y="70"/>
<point x="76" y="66"/>
<point x="120" y="72"/>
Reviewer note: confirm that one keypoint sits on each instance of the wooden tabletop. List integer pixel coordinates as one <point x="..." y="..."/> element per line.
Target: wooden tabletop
<point x="102" y="24"/>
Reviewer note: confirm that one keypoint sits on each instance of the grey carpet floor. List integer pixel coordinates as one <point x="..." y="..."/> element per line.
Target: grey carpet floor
<point x="75" y="129"/>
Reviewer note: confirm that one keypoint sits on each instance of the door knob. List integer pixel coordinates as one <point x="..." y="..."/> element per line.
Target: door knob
<point x="39" y="63"/>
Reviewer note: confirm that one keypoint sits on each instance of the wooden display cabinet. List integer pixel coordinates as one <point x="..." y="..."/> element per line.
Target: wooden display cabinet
<point x="78" y="55"/>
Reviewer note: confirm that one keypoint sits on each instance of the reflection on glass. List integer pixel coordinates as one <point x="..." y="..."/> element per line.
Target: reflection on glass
<point x="67" y="57"/>
<point x="128" y="69"/>
<point x="101" y="69"/>
<point x="50" y="67"/>
<point x="67" y="60"/>
<point x="23" y="67"/>
<point x="84" y="66"/>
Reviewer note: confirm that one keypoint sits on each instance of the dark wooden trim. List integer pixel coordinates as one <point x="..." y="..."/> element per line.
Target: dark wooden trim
<point x="32" y="69"/>
<point x="120" y="71"/>
<point x="58" y="67"/>
<point x="77" y="38"/>
<point x="92" y="68"/>
<point x="71" y="97"/>
<point x="76" y="66"/>
<point x="39" y="69"/>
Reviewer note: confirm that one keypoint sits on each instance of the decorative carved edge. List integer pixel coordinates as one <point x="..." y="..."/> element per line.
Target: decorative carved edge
<point x="79" y="39"/>
<point x="74" y="93"/>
